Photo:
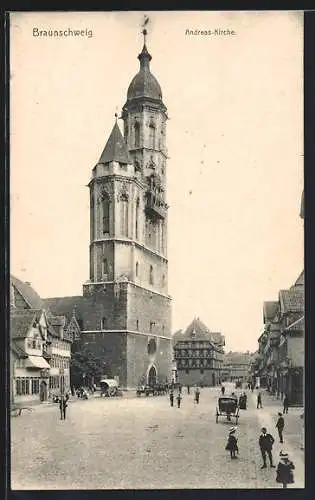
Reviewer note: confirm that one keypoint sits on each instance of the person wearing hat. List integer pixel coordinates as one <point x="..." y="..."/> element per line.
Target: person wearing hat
<point x="284" y="470"/>
<point x="231" y="444"/>
<point x="280" y="426"/>
<point x="265" y="443"/>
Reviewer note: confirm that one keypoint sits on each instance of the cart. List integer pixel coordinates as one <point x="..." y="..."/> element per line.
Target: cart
<point x="227" y="406"/>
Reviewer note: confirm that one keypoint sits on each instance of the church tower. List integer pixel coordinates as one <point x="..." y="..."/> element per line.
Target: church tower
<point x="128" y="286"/>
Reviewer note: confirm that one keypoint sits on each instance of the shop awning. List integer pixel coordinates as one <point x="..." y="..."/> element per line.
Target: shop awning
<point x="36" y="362"/>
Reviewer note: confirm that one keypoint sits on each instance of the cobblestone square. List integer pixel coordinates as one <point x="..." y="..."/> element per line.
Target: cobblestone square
<point x="143" y="443"/>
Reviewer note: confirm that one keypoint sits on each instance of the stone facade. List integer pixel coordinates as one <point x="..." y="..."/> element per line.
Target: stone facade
<point x="125" y="302"/>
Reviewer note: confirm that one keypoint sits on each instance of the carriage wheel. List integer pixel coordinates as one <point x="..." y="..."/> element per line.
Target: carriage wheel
<point x="216" y="417"/>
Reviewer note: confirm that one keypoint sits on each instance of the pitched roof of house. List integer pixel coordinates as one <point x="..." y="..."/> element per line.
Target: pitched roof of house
<point x="292" y="300"/>
<point x="116" y="148"/>
<point x="297" y="326"/>
<point x="300" y="280"/>
<point x="20" y="353"/>
<point x="197" y="330"/>
<point x="21" y="321"/>
<point x="270" y="308"/>
<point x="28" y="293"/>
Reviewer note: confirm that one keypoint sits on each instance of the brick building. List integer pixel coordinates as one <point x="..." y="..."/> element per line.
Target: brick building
<point x="198" y="354"/>
<point x="125" y="311"/>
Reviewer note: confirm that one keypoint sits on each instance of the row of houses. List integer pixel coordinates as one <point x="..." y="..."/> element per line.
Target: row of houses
<point x="236" y="366"/>
<point x="40" y="346"/>
<point x="279" y="363"/>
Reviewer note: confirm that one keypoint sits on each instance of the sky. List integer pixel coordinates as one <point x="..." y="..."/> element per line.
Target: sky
<point x="235" y="142"/>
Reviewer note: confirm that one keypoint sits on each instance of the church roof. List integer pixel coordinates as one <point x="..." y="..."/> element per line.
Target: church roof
<point x="144" y="84"/>
<point x="28" y="293"/>
<point x="116" y="148"/>
<point x="64" y="306"/>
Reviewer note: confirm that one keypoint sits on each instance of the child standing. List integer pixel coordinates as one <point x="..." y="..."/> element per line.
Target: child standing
<point x="231" y="444"/>
<point x="179" y="398"/>
<point x="284" y="470"/>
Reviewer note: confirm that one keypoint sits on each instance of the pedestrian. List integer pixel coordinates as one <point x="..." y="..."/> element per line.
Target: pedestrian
<point x="179" y="388"/>
<point x="259" y="402"/>
<point x="284" y="470"/>
<point x="222" y="390"/>
<point x="302" y="431"/>
<point x="280" y="426"/>
<point x="197" y="395"/>
<point x="231" y="444"/>
<point x="171" y="397"/>
<point x="252" y="387"/>
<point x="62" y="406"/>
<point x="188" y="389"/>
<point x="178" y="398"/>
<point x="266" y="441"/>
<point x="285" y="404"/>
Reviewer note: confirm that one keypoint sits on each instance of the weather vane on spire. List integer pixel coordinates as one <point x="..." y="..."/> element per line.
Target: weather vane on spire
<point x="116" y="113"/>
<point x="144" y="31"/>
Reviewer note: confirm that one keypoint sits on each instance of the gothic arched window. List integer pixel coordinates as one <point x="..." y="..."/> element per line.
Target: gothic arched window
<point x="137" y="135"/>
<point x="92" y="224"/>
<point x="137" y="218"/>
<point x="151" y="277"/>
<point x="105" y="267"/>
<point x="152" y="135"/>
<point x="106" y="212"/>
<point x="124" y="215"/>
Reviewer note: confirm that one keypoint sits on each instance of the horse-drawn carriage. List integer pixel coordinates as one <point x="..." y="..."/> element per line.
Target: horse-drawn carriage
<point x="110" y="388"/>
<point x="227" y="406"/>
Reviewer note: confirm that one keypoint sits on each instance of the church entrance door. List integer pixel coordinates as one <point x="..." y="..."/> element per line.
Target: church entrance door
<point x="152" y="376"/>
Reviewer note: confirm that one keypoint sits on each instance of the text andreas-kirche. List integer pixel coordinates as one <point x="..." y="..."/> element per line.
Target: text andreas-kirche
<point x="215" y="32"/>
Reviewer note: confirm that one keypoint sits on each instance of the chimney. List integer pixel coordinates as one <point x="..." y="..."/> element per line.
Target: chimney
<point x="28" y="283"/>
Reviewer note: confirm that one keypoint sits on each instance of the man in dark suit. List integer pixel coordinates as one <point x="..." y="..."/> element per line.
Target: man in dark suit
<point x="265" y="443"/>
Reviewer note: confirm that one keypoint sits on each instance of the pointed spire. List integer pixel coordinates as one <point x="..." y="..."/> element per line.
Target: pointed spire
<point x="144" y="57"/>
<point x="116" y="148"/>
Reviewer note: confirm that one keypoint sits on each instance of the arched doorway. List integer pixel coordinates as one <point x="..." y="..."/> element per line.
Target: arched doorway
<point x="152" y="376"/>
<point x="43" y="391"/>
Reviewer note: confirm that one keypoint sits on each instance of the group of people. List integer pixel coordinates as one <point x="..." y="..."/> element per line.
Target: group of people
<point x="179" y="395"/>
<point x="285" y="402"/>
<point x="284" y="473"/>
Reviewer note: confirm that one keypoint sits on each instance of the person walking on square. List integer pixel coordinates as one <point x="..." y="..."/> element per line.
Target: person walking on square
<point x="266" y="441"/>
<point x="259" y="401"/>
<point x="222" y="390"/>
<point x="284" y="470"/>
<point x="188" y="389"/>
<point x="171" y="397"/>
<point x="280" y="426"/>
<point x="178" y="398"/>
<point x="197" y="395"/>
<point x="63" y="406"/>
<point x="285" y="404"/>
<point x="231" y="444"/>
